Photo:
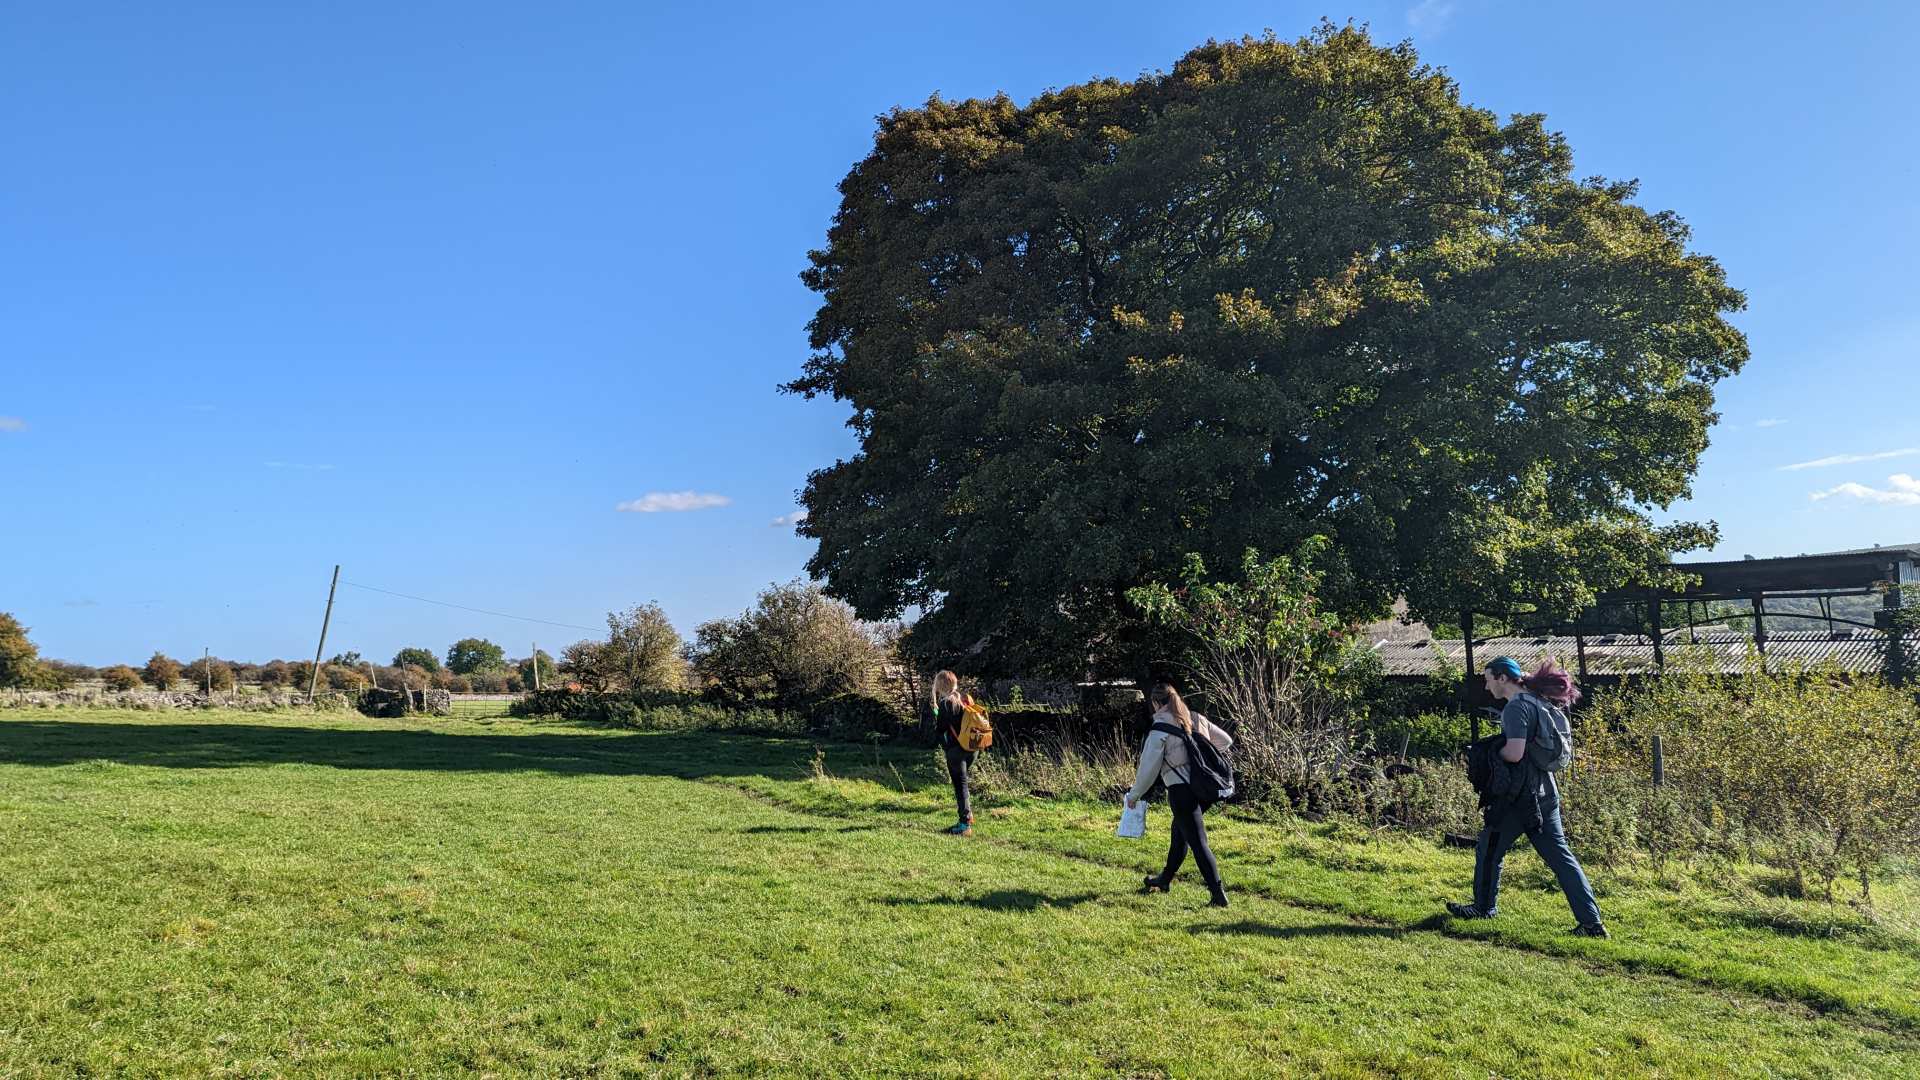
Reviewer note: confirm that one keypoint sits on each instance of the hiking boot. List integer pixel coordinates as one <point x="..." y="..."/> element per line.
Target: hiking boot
<point x="964" y="828"/>
<point x="1156" y="884"/>
<point x="1466" y="911"/>
<point x="1219" y="898"/>
<point x="1598" y="930"/>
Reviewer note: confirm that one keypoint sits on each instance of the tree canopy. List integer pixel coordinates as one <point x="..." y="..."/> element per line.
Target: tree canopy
<point x="1286" y="289"/>
<point x="415" y="656"/>
<point x="468" y="655"/>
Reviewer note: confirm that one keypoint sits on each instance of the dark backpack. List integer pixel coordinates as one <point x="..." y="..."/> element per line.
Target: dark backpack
<point x="1551" y="746"/>
<point x="1209" y="773"/>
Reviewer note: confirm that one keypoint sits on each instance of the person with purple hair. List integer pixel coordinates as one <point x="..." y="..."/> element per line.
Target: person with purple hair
<point x="1534" y="722"/>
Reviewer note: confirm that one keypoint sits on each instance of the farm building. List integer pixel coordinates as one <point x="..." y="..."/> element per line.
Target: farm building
<point x="1844" y="609"/>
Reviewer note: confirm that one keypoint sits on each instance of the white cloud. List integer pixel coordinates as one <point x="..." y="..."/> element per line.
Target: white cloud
<point x="1901" y="490"/>
<point x="12" y="423"/>
<point x="1769" y="422"/>
<point x="671" y="502"/>
<point x="302" y="466"/>
<point x="1850" y="459"/>
<point x="1431" y="14"/>
<point x="794" y="518"/>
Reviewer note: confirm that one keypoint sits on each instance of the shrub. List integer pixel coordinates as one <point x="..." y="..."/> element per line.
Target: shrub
<point x="201" y="671"/>
<point x="796" y="647"/>
<point x="120" y="678"/>
<point x="20" y="664"/>
<point x="493" y="680"/>
<point x="650" y="711"/>
<point x="1423" y="796"/>
<point x="1427" y="734"/>
<point x="161" y="672"/>
<point x="1283" y="672"/>
<point x="1819" y="773"/>
<point x="858" y="718"/>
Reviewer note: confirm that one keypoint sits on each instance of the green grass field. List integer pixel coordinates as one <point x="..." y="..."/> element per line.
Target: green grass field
<point x="239" y="894"/>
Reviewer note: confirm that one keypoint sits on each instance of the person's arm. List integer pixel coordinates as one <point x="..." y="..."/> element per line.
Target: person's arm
<point x="1217" y="735"/>
<point x="1151" y="755"/>
<point x="1513" y="724"/>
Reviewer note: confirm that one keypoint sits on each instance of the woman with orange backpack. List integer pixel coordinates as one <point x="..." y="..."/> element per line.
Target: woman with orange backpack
<point x="951" y="710"/>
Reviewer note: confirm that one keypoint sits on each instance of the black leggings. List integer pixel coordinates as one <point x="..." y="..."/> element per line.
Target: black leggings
<point x="957" y="762"/>
<point x="1189" y="831"/>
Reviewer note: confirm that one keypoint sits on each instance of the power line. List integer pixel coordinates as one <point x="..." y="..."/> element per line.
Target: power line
<point x="463" y="607"/>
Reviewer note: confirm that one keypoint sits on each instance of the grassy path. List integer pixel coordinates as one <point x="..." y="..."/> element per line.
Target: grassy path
<point x="1825" y="957"/>
<point x="349" y="898"/>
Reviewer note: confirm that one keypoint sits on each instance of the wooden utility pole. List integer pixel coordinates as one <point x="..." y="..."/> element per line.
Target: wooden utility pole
<point x="206" y="670"/>
<point x="536" y="667"/>
<point x="313" y="683"/>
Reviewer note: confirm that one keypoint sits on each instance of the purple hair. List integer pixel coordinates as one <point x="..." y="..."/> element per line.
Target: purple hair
<point x="1551" y="681"/>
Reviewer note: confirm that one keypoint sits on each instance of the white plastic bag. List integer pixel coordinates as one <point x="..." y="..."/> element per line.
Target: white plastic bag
<point x="1133" y="820"/>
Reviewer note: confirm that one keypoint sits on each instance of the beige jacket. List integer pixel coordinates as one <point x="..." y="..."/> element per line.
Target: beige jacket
<point x="1164" y="757"/>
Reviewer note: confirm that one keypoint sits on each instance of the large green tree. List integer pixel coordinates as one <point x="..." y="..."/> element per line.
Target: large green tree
<point x="417" y="657"/>
<point x="468" y="655"/>
<point x="1286" y="289"/>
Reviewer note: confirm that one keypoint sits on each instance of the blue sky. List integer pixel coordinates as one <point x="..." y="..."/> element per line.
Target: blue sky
<point x="431" y="290"/>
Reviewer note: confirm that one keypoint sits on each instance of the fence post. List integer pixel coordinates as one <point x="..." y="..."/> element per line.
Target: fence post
<point x="1466" y="680"/>
<point x="1659" y="763"/>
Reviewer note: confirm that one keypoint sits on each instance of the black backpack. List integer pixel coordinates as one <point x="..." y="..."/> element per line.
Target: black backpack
<point x="1209" y="773"/>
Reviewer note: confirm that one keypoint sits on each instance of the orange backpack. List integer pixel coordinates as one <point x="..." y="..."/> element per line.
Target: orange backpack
<point x="975" y="732"/>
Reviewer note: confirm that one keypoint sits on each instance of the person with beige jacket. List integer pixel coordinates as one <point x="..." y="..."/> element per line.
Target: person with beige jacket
<point x="1163" y="757"/>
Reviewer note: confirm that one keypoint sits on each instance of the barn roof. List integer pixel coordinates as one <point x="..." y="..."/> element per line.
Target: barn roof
<point x="1621" y="654"/>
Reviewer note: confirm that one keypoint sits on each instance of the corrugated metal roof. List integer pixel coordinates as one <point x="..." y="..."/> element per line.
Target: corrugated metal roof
<point x="1620" y="654"/>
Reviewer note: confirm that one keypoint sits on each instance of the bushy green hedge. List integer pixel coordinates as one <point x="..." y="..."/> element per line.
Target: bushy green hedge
<point x="1810" y="771"/>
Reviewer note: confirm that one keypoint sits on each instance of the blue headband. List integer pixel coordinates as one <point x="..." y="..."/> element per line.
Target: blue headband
<point x="1508" y="666"/>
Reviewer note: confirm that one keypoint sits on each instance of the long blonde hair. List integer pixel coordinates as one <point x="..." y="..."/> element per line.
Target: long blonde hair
<point x="945" y="685"/>
<point x="1166" y="699"/>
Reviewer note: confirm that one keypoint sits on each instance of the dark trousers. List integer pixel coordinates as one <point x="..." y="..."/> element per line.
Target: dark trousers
<point x="1550" y="840"/>
<point x="957" y="762"/>
<point x="1189" y="831"/>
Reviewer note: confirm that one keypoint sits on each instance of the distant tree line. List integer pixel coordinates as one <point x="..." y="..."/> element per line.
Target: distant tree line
<point x="794" y="648"/>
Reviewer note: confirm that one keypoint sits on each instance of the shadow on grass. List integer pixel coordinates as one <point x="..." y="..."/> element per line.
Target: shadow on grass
<point x="1000" y="900"/>
<point x="785" y="830"/>
<point x="1325" y="929"/>
<point x="687" y="755"/>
